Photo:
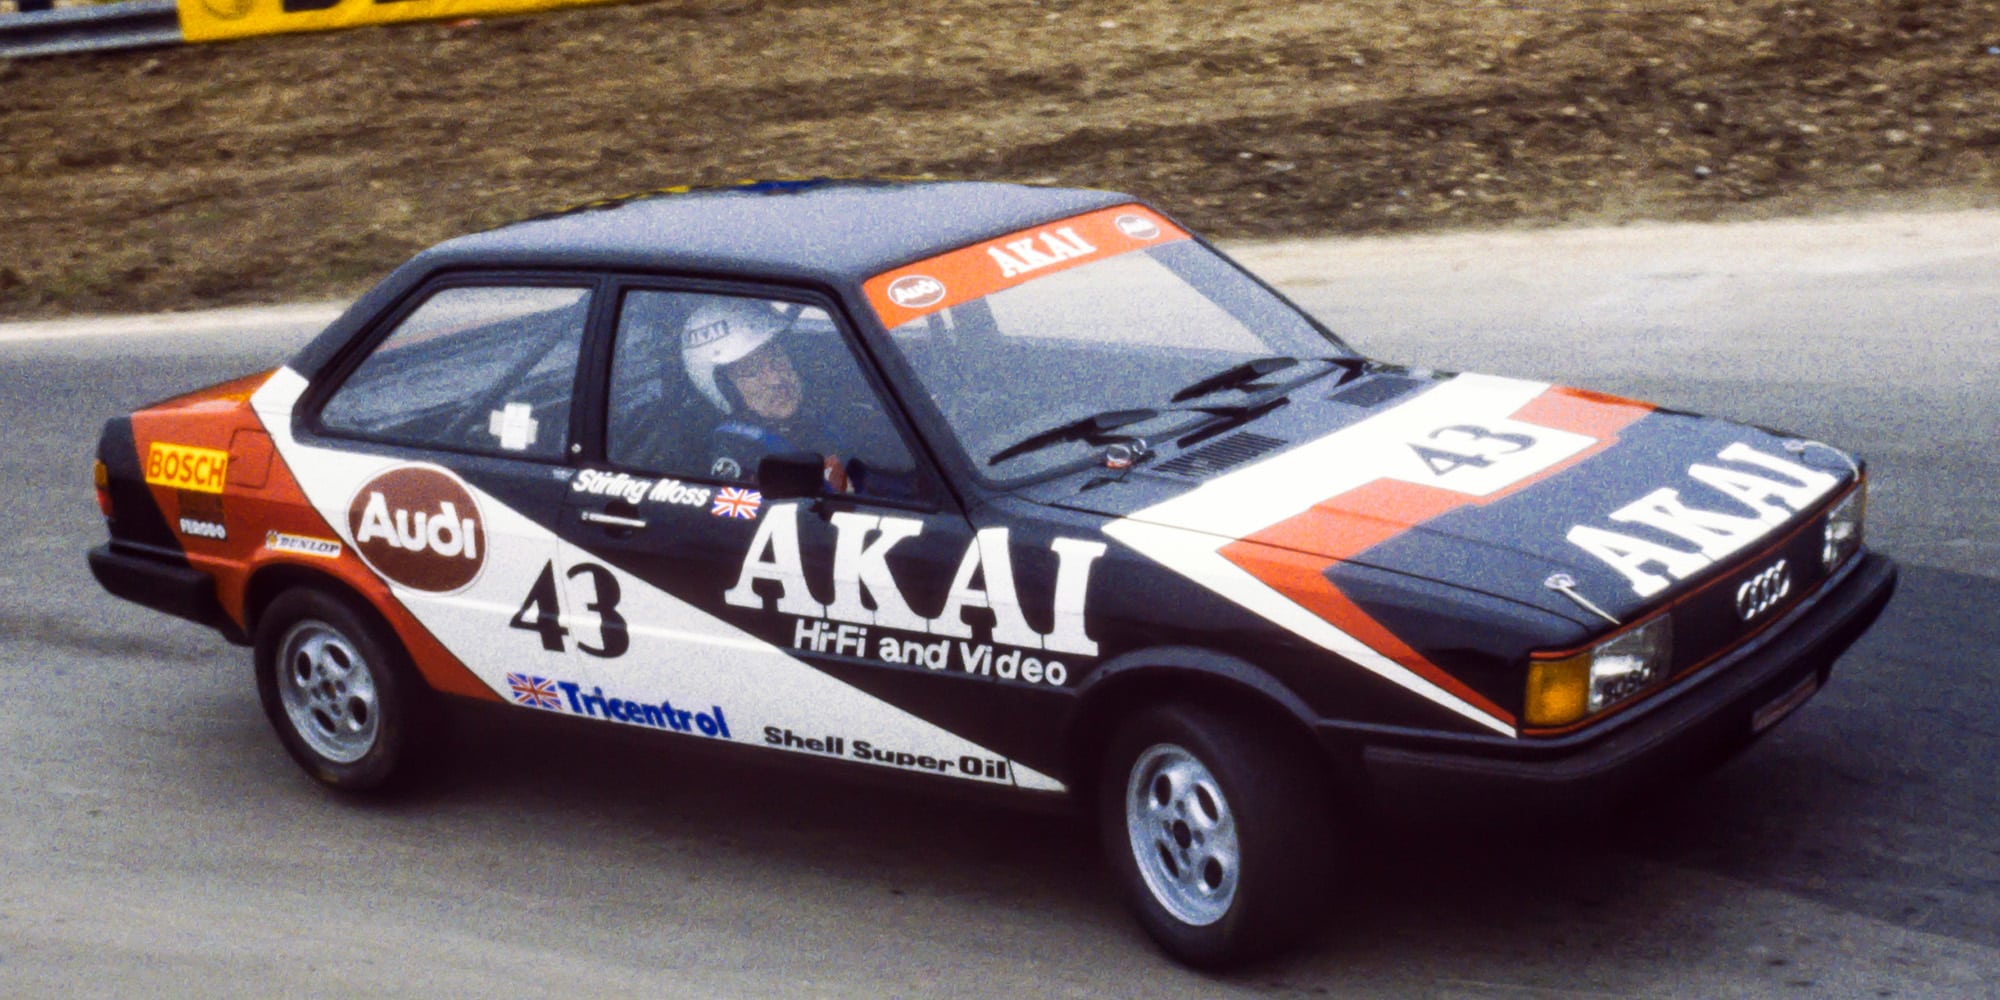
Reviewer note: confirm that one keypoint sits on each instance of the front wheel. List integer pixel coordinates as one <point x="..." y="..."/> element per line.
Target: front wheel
<point x="336" y="689"/>
<point x="1220" y="834"/>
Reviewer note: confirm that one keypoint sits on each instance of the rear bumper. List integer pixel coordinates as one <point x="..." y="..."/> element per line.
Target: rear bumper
<point x="161" y="583"/>
<point x="1699" y="722"/>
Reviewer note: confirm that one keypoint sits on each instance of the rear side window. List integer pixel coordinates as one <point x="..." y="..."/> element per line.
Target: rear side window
<point x="488" y="369"/>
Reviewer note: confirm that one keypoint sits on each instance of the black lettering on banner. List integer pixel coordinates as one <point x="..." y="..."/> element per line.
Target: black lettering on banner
<point x="1480" y="446"/>
<point x="541" y="612"/>
<point x="307" y="6"/>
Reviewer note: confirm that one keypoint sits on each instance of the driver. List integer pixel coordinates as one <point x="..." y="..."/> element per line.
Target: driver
<point x="735" y="358"/>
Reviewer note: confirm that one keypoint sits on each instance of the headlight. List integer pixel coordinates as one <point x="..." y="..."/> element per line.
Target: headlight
<point x="1843" y="527"/>
<point x="1563" y="690"/>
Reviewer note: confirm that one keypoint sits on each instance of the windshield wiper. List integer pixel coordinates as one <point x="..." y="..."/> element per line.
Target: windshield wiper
<point x="1234" y="375"/>
<point x="1092" y="428"/>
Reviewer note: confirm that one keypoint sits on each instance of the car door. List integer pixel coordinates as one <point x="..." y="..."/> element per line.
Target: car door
<point x="821" y="625"/>
<point x="441" y="454"/>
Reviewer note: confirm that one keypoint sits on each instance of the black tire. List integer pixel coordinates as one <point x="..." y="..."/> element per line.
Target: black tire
<point x="339" y="690"/>
<point x="1180" y="788"/>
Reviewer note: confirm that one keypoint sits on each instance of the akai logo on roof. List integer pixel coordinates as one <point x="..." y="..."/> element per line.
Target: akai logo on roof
<point x="419" y="526"/>
<point x="1047" y="247"/>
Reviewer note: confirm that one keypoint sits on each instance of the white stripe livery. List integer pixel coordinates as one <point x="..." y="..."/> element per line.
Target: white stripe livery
<point x="679" y="654"/>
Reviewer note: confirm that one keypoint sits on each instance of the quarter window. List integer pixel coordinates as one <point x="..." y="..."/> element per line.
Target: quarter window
<point x="487" y="369"/>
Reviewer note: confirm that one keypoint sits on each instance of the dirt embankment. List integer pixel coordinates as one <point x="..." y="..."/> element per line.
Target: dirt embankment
<point x="306" y="166"/>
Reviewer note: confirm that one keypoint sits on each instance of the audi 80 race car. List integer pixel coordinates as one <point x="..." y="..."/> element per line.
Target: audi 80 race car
<point x="1016" y="486"/>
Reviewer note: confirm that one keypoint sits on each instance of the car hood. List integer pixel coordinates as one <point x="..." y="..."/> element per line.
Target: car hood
<point x="1583" y="505"/>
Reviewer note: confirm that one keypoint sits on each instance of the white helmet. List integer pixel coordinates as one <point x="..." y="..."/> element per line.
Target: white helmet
<point x="721" y="332"/>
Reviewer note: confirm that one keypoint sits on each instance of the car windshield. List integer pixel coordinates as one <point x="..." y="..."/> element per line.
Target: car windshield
<point x="1041" y="346"/>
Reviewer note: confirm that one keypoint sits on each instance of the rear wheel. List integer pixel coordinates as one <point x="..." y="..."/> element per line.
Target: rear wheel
<point x="1219" y="833"/>
<point x="339" y="692"/>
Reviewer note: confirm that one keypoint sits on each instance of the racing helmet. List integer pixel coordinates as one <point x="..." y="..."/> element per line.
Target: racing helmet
<point x="722" y="332"/>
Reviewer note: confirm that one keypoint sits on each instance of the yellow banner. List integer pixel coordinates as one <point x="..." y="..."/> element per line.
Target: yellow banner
<point x="213" y="20"/>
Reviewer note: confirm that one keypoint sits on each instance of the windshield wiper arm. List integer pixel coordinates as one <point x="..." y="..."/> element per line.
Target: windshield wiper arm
<point x="1086" y="429"/>
<point x="1235" y="375"/>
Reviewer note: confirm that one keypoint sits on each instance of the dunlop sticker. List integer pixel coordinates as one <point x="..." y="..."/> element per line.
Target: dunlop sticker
<point x="305" y="545"/>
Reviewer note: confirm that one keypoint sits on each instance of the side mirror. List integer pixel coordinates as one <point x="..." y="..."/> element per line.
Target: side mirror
<point x="790" y="475"/>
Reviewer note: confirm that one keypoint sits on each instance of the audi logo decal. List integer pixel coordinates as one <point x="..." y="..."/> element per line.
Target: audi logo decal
<point x="1762" y="592"/>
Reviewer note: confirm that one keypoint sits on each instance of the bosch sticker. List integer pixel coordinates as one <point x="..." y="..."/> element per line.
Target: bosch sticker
<point x="184" y="467"/>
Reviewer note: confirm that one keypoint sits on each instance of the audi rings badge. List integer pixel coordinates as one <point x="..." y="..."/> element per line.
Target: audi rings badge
<point x="1763" y="591"/>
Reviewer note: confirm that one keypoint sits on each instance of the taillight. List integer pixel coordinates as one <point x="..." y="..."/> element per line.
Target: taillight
<point x="103" y="477"/>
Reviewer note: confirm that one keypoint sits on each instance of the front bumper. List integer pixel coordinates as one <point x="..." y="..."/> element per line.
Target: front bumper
<point x="1697" y="722"/>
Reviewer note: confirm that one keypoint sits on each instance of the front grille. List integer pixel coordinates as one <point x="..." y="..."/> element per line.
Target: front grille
<point x="1709" y="622"/>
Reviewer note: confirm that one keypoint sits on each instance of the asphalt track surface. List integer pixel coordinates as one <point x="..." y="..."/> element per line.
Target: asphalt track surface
<point x="156" y="842"/>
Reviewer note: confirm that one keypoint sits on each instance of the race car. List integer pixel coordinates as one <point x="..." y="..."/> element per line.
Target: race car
<point x="1017" y="486"/>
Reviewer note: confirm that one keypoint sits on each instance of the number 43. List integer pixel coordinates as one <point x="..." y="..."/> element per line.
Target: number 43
<point x="1468" y="445"/>
<point x="542" y="611"/>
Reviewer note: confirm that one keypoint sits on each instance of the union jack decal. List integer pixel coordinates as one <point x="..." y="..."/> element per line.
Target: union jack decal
<point x="534" y="692"/>
<point x="734" y="502"/>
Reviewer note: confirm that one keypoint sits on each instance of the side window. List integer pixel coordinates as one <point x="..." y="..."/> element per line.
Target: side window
<point x="483" y="369"/>
<point x="706" y="385"/>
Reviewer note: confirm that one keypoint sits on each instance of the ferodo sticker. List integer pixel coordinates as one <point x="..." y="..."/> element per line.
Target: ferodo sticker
<point x="420" y="527"/>
<point x="184" y="467"/>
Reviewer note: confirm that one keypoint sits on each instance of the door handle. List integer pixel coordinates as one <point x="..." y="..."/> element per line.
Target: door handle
<point x="611" y="520"/>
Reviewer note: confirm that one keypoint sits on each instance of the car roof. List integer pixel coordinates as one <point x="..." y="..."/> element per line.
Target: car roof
<point x="831" y="231"/>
